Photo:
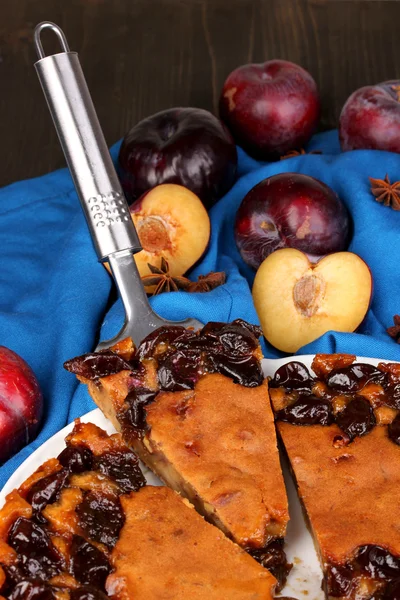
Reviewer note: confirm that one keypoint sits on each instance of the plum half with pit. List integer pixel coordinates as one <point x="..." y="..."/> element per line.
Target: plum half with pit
<point x="291" y="210"/>
<point x="21" y="403"/>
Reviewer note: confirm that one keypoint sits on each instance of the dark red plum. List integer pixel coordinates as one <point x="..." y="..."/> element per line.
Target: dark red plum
<point x="270" y="107"/>
<point x="21" y="403"/>
<point x="370" y="118"/>
<point x="186" y="146"/>
<point x="290" y="210"/>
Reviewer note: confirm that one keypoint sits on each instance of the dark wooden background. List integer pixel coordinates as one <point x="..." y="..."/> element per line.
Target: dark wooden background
<point x="141" y="56"/>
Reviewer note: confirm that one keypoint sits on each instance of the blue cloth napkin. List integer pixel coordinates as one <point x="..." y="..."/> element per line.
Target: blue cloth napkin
<point x="54" y="295"/>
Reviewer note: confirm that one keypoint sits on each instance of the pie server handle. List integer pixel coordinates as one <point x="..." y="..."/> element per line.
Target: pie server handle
<point x="99" y="190"/>
<point x="85" y="149"/>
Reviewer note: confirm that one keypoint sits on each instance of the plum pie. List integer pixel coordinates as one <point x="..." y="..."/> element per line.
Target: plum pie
<point x="194" y="406"/>
<point x="341" y="432"/>
<point x="85" y="526"/>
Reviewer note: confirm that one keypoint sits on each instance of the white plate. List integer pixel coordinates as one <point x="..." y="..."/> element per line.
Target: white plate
<point x="306" y="575"/>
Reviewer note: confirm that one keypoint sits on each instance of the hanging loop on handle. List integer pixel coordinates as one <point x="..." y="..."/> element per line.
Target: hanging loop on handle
<point x="85" y="149"/>
<point x="57" y="30"/>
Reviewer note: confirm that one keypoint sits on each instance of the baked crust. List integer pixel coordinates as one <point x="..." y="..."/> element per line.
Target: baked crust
<point x="340" y="432"/>
<point x="145" y="545"/>
<point x="214" y="441"/>
<point x="221" y="439"/>
<point x="351" y="494"/>
<point x="176" y="554"/>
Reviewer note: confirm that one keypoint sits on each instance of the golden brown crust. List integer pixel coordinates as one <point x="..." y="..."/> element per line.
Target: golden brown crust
<point x="47" y="468"/>
<point x="96" y="439"/>
<point x="176" y="554"/>
<point x="351" y="494"/>
<point x="221" y="439"/>
<point x="323" y="364"/>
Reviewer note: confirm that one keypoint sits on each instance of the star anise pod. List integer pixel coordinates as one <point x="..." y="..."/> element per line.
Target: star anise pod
<point x="299" y="152"/>
<point x="394" y="331"/>
<point x="163" y="280"/>
<point x="206" y="283"/>
<point x="386" y="192"/>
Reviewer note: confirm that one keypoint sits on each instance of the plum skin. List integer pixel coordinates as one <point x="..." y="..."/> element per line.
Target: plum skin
<point x="370" y="118"/>
<point x="290" y="210"/>
<point x="270" y="107"/>
<point x="21" y="403"/>
<point x="186" y="146"/>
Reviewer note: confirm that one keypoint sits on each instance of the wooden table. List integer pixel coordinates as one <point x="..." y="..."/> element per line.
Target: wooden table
<point x="141" y="56"/>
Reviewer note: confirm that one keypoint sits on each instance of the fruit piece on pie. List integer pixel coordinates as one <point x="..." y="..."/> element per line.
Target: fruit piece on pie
<point x="346" y="461"/>
<point x="85" y="526"/>
<point x="297" y="301"/>
<point x="195" y="408"/>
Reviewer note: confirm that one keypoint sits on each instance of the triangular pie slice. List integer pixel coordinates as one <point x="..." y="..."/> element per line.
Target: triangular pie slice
<point x="85" y="526"/>
<point x="195" y="407"/>
<point x="341" y="431"/>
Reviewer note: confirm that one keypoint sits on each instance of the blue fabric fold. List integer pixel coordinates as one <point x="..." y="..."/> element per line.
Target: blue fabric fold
<point x="55" y="296"/>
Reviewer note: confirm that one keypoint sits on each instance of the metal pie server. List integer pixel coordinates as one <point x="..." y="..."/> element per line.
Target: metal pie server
<point x="102" y="199"/>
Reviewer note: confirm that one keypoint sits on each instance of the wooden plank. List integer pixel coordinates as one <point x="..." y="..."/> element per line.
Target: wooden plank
<point x="141" y="56"/>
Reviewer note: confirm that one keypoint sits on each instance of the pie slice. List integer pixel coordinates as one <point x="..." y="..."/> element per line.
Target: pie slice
<point x="85" y="526"/>
<point x="194" y="406"/>
<point x="341" y="432"/>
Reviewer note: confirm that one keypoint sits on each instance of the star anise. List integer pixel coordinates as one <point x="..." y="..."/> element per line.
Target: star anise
<point x="394" y="331"/>
<point x="163" y="280"/>
<point x="299" y="152"/>
<point x="206" y="283"/>
<point x="386" y="192"/>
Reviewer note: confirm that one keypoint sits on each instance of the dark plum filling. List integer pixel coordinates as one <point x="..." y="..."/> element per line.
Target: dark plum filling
<point x="370" y="561"/>
<point x="357" y="417"/>
<point x="293" y="376"/>
<point x="394" y="430"/>
<point x="31" y="590"/>
<point x="97" y="364"/>
<point x="76" y="459"/>
<point x="181" y="357"/>
<point x="307" y="410"/>
<point x="88" y="564"/>
<point x="38" y="559"/>
<point x="123" y="468"/>
<point x="354" y="377"/>
<point x="87" y="593"/>
<point x="273" y="558"/>
<point x="46" y="491"/>
<point x="101" y="517"/>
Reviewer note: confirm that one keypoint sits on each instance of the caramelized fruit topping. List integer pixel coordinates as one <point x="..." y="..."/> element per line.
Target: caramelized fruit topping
<point x="394" y="430"/>
<point x="37" y="557"/>
<point x="293" y="376"/>
<point x="45" y="491"/>
<point x="273" y="558"/>
<point x="87" y="593"/>
<point x="357" y="418"/>
<point x="181" y="357"/>
<point x="372" y="562"/>
<point x="123" y="468"/>
<point x="97" y="364"/>
<point x="76" y="459"/>
<point x="101" y="517"/>
<point x="30" y="590"/>
<point x="344" y="393"/>
<point x="307" y="410"/>
<point x="88" y="564"/>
